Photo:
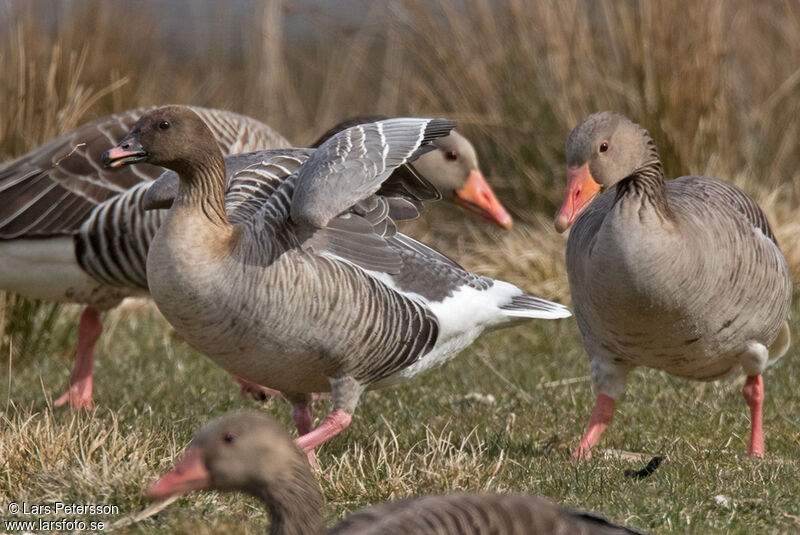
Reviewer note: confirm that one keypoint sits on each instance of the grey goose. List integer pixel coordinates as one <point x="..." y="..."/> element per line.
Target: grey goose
<point x="303" y="284"/>
<point x="452" y="169"/>
<point x="74" y="231"/>
<point x="251" y="453"/>
<point x="684" y="275"/>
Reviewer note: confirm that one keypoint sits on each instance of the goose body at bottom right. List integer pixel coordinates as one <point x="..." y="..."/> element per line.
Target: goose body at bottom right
<point x="684" y="276"/>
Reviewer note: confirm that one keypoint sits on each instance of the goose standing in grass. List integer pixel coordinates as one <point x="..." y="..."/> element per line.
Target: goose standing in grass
<point x="72" y="231"/>
<point x="306" y="286"/>
<point x="683" y="276"/>
<point x="251" y="453"/>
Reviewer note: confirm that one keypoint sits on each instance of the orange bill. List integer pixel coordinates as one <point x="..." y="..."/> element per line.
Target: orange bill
<point x="188" y="475"/>
<point x="477" y="197"/>
<point x="581" y="191"/>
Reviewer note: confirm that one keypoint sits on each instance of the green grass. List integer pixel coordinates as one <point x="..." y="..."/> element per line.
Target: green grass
<point x="426" y="436"/>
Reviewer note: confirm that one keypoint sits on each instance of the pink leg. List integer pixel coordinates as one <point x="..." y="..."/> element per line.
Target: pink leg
<point x="601" y="416"/>
<point x="302" y="414"/>
<point x="754" y="394"/>
<point x="260" y="393"/>
<point x="79" y="395"/>
<point x="334" y="424"/>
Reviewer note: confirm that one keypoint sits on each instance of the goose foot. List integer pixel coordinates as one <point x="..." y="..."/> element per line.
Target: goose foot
<point x="258" y="392"/>
<point x="336" y="422"/>
<point x="753" y="392"/>
<point x="79" y="395"/>
<point x="601" y="416"/>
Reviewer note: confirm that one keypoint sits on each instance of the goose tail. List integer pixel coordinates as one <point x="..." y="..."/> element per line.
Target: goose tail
<point x="529" y="306"/>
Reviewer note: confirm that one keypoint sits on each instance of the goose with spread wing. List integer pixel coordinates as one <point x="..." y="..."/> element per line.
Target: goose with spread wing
<point x="305" y="286"/>
<point x="72" y="230"/>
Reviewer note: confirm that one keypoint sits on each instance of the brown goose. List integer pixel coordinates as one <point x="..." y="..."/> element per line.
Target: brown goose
<point x="683" y="276"/>
<point x="452" y="168"/>
<point x="306" y="286"/>
<point x="73" y="231"/>
<point x="251" y="453"/>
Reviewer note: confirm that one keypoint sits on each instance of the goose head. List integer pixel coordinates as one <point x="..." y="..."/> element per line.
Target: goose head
<point x="174" y="137"/>
<point x="240" y="451"/>
<point x="453" y="169"/>
<point x="603" y="149"/>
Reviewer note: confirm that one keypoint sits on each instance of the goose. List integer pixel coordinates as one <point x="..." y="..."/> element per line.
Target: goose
<point x="251" y="453"/>
<point x="72" y="231"/>
<point x="683" y="276"/>
<point x="305" y="286"/>
<point x="453" y="169"/>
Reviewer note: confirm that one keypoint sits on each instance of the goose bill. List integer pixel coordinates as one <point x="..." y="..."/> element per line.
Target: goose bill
<point x="127" y="151"/>
<point x="477" y="197"/>
<point x="188" y="475"/>
<point x="581" y="191"/>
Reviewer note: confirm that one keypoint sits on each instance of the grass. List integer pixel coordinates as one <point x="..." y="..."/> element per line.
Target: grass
<point x="720" y="92"/>
<point x="437" y="433"/>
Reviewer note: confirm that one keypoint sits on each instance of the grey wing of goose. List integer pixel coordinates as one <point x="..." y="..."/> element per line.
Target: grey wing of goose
<point x="353" y="164"/>
<point x="474" y="514"/>
<point x="53" y="189"/>
<point x="254" y="178"/>
<point x="712" y="190"/>
<point x="336" y="184"/>
<point x="405" y="186"/>
<point x="347" y="123"/>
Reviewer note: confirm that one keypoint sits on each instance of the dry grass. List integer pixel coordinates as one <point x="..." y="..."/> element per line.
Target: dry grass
<point x="716" y="82"/>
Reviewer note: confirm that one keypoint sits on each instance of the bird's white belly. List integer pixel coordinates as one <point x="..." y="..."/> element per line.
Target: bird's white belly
<point x="47" y="269"/>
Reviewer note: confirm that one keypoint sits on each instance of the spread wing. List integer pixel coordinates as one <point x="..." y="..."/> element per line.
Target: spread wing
<point x="353" y="164"/>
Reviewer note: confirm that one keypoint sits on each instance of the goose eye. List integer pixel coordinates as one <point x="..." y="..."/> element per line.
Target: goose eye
<point x="451" y="155"/>
<point x="228" y="438"/>
<point x="163" y="125"/>
<point x="604" y="146"/>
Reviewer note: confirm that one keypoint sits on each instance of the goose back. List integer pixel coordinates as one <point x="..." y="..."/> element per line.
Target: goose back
<point x="473" y="514"/>
<point x="250" y="452"/>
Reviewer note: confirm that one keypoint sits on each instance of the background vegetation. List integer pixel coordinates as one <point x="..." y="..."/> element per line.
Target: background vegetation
<point x="716" y="82"/>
